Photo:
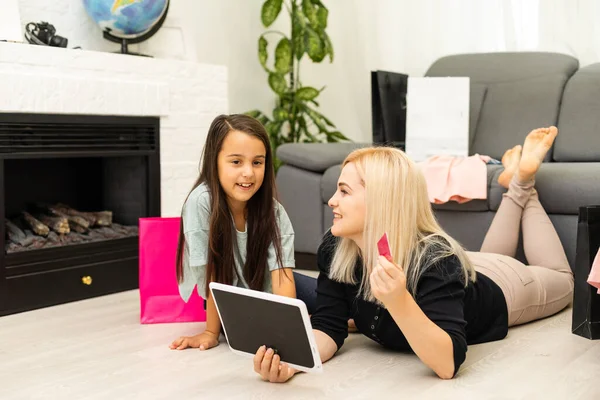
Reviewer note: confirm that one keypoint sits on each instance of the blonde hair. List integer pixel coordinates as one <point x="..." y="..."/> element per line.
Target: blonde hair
<point x="397" y="203"/>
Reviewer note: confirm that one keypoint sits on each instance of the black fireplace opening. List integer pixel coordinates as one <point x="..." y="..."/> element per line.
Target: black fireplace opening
<point x="72" y="190"/>
<point x="66" y="201"/>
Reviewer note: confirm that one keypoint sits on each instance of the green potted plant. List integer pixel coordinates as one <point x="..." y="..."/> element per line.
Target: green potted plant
<point x="295" y="117"/>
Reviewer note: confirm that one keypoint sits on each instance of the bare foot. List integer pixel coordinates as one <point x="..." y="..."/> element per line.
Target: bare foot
<point x="510" y="160"/>
<point x="537" y="144"/>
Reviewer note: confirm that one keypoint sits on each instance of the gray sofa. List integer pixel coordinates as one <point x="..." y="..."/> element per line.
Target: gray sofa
<point x="511" y="94"/>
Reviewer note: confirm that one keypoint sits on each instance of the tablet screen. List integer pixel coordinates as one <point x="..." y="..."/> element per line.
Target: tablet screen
<point x="251" y="322"/>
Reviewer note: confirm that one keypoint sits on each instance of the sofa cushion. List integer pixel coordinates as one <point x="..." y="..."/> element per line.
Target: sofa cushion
<point x="563" y="187"/>
<point x="579" y="120"/>
<point x="504" y="67"/>
<point x="316" y="157"/>
<point x="495" y="191"/>
<point x="469" y="228"/>
<point x="330" y="177"/>
<point x="329" y="182"/>
<point x="299" y="192"/>
<point x="512" y="109"/>
<point x="476" y="98"/>
<point x="471" y="205"/>
<point x="523" y="93"/>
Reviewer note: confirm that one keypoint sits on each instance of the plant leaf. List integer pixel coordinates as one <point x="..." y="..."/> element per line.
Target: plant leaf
<point x="307" y="93"/>
<point x="257" y="114"/>
<point x="315" y="117"/>
<point x="314" y="45"/>
<point x="327" y="44"/>
<point x="253" y="113"/>
<point x="277" y="83"/>
<point x="336" y="135"/>
<point x="262" y="51"/>
<point x="300" y="17"/>
<point x="327" y="121"/>
<point x="302" y="122"/>
<point x="311" y="13"/>
<point x="280" y="114"/>
<point x="322" y="14"/>
<point x="270" y="11"/>
<point x="273" y="128"/>
<point x="298" y="25"/>
<point x="283" y="56"/>
<point x="304" y="128"/>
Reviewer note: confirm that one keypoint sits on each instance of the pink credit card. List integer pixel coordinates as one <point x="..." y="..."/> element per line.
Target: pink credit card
<point x="384" y="247"/>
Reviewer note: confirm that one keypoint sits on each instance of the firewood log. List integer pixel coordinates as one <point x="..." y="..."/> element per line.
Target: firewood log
<point x="76" y="227"/>
<point x="15" y="234"/>
<point x="90" y="217"/>
<point x="103" y="218"/>
<point x="76" y="219"/>
<point x="53" y="237"/>
<point x="33" y="241"/>
<point x="57" y="224"/>
<point x="39" y="228"/>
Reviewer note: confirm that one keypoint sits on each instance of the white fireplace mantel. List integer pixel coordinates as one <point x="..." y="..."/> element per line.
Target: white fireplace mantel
<point x="185" y="95"/>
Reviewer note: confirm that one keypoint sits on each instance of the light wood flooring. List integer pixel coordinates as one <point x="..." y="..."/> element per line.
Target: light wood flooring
<point x="97" y="349"/>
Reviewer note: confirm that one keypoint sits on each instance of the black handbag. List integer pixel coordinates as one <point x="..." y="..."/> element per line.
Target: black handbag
<point x="586" y="300"/>
<point x="388" y="108"/>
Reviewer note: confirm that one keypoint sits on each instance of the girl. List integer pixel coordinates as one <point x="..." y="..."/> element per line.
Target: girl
<point x="230" y="213"/>
<point x="433" y="297"/>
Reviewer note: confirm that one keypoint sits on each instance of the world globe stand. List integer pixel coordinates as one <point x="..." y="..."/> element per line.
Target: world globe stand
<point x="125" y="42"/>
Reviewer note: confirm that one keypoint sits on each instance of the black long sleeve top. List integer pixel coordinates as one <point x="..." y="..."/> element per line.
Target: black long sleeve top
<point x="473" y="314"/>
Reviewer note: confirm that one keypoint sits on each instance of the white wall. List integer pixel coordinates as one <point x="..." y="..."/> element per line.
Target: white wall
<point x="397" y="35"/>
<point x="184" y="93"/>
<point x="174" y="40"/>
<point x="227" y="33"/>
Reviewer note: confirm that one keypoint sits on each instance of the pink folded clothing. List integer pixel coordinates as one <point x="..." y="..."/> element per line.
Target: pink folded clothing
<point x="594" y="278"/>
<point x="451" y="178"/>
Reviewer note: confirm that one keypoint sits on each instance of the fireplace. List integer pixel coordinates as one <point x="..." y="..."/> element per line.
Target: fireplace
<point x="72" y="188"/>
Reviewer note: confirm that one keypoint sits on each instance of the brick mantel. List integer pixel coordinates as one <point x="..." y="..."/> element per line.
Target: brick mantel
<point x="185" y="95"/>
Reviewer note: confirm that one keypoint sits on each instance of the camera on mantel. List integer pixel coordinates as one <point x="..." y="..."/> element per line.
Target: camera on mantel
<point x="44" y="34"/>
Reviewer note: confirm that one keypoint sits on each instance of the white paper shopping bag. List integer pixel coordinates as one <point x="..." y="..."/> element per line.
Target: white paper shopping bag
<point x="437" y="117"/>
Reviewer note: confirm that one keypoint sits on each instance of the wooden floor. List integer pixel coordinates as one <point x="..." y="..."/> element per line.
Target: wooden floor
<point x="96" y="349"/>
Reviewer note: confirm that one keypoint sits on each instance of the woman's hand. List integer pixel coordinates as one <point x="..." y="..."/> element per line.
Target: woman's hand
<point x="203" y="341"/>
<point x="388" y="282"/>
<point x="268" y="366"/>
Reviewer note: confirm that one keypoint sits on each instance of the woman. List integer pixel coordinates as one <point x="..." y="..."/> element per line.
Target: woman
<point x="433" y="298"/>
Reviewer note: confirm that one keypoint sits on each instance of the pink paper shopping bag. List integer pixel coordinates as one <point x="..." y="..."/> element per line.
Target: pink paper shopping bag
<point x="160" y="301"/>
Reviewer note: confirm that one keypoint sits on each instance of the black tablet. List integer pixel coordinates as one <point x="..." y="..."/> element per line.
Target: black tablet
<point x="251" y="319"/>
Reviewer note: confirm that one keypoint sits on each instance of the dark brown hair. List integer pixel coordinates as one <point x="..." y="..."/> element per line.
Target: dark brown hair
<point x="263" y="229"/>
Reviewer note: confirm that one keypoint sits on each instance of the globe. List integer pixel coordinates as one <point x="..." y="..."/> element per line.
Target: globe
<point x="127" y="21"/>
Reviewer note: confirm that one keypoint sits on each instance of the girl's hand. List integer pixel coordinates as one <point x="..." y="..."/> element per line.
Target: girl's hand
<point x="388" y="281"/>
<point x="203" y="341"/>
<point x="268" y="366"/>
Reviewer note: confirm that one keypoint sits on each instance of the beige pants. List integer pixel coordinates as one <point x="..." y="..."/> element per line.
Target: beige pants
<point x="545" y="286"/>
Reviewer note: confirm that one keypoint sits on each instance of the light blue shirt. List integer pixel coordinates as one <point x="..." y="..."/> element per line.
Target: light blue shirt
<point x="196" y="226"/>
